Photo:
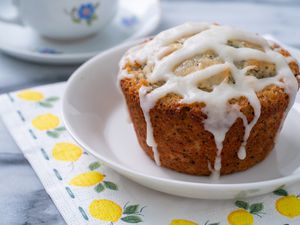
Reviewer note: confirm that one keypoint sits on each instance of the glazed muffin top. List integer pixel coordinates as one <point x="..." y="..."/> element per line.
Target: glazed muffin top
<point x="211" y="64"/>
<point x="207" y="55"/>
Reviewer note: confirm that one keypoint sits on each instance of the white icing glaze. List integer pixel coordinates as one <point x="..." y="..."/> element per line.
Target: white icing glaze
<point x="146" y="110"/>
<point x="221" y="115"/>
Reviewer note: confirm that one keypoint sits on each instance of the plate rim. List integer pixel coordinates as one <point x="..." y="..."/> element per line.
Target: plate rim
<point x="121" y="168"/>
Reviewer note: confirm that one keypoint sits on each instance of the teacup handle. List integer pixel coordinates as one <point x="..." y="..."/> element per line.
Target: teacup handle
<point x="16" y="19"/>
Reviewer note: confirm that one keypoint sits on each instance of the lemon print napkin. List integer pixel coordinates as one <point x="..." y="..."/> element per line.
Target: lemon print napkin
<point x="87" y="192"/>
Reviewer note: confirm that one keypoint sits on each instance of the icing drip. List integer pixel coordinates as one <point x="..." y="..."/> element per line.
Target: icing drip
<point x="163" y="54"/>
<point x="146" y="110"/>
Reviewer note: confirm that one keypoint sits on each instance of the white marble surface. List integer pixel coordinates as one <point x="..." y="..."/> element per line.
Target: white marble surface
<point x="22" y="197"/>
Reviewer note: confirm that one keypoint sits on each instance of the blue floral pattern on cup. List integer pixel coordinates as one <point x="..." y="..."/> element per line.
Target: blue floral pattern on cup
<point x="85" y="12"/>
<point x="129" y="21"/>
<point x="48" y="51"/>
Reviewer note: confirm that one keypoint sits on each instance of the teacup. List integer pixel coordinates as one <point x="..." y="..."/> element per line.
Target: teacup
<point x="64" y="19"/>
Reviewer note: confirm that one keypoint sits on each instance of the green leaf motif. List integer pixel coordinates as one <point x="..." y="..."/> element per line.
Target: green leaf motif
<point x="280" y="192"/>
<point x="110" y="185"/>
<point x="131" y="209"/>
<point x="94" y="17"/>
<point x="94" y="165"/>
<point x="141" y="210"/>
<point x="45" y="104"/>
<point x="57" y="174"/>
<point x="52" y="134"/>
<point x="75" y="20"/>
<point x="214" y="224"/>
<point x="132" y="219"/>
<point x="256" y="207"/>
<point x="89" y="22"/>
<point x="83" y="213"/>
<point x="242" y="204"/>
<point x="60" y="129"/>
<point x="99" y="188"/>
<point x="52" y="99"/>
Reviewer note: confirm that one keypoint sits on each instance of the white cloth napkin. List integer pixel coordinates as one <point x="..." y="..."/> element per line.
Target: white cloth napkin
<point x="86" y="192"/>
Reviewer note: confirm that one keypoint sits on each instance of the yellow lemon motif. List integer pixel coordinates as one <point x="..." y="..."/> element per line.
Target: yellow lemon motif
<point x="240" y="217"/>
<point x="288" y="206"/>
<point x="45" y="122"/>
<point x="66" y="152"/>
<point x="182" y="222"/>
<point x="87" y="179"/>
<point x="105" y="210"/>
<point x="30" y="95"/>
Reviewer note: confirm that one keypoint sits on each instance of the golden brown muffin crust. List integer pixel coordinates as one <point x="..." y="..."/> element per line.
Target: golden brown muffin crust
<point x="183" y="143"/>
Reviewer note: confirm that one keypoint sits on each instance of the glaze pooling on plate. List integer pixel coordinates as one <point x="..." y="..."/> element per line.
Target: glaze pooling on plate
<point x="211" y="83"/>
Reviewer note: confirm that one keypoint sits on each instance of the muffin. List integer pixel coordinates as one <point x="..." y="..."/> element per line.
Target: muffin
<point x="206" y="99"/>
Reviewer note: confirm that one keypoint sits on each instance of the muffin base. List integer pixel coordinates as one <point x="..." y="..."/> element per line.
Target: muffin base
<point x="183" y="143"/>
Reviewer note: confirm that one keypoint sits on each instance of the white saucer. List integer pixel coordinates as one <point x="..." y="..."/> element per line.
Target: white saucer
<point x="135" y="19"/>
<point x="94" y="114"/>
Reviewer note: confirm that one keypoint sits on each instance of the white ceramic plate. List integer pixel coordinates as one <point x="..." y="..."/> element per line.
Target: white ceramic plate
<point x="95" y="115"/>
<point x="134" y="19"/>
